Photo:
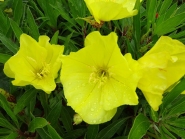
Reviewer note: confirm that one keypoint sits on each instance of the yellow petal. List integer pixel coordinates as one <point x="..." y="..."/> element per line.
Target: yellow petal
<point x="19" y="67"/>
<point x="46" y="84"/>
<point x="96" y="74"/>
<point x="164" y="66"/>
<point x="111" y="10"/>
<point x="92" y="111"/>
<point x="168" y="45"/>
<point x="32" y="49"/>
<point x="36" y="63"/>
<point x="100" y="49"/>
<point x="54" y="57"/>
<point x="44" y="41"/>
<point x="116" y="93"/>
<point x="154" y="100"/>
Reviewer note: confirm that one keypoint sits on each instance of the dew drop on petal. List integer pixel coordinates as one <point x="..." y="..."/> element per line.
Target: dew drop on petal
<point x="94" y="121"/>
<point x="92" y="109"/>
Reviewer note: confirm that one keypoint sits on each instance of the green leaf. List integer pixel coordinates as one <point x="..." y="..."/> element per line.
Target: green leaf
<point x="8" y="43"/>
<point x="36" y="123"/>
<point x="66" y="119"/>
<point x="178" y="35"/>
<point x="139" y="128"/>
<point x="55" y="111"/>
<point x="170" y="24"/>
<point x="151" y="12"/>
<point x="110" y="130"/>
<point x="13" y="135"/>
<point x="44" y="101"/>
<point x="68" y="46"/>
<point x="4" y="57"/>
<point x="137" y="26"/>
<point x="6" y="124"/>
<point x="92" y="131"/>
<point x="173" y="94"/>
<point x="165" y="5"/>
<point x="177" y="123"/>
<point x="154" y="115"/>
<point x="177" y="110"/>
<point x="4" y="104"/>
<point x="60" y="8"/>
<point x="16" y="29"/>
<point x="5" y="25"/>
<point x="33" y="27"/>
<point x="24" y="100"/>
<point x="53" y="132"/>
<point x="18" y="10"/>
<point x="54" y="39"/>
<point x="74" y="134"/>
<point x="43" y="133"/>
<point x="5" y="131"/>
<point x="167" y="133"/>
<point x="179" y="132"/>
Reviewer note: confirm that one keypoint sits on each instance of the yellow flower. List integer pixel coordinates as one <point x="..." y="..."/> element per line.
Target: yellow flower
<point x="164" y="65"/>
<point x="97" y="79"/>
<point x="106" y="10"/>
<point x="36" y="63"/>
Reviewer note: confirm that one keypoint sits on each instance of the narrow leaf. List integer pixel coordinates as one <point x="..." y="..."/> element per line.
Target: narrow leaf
<point x="53" y="132"/>
<point x="36" y="123"/>
<point x="54" y="39"/>
<point x="4" y="104"/>
<point x="16" y="29"/>
<point x="110" y="130"/>
<point x="55" y="111"/>
<point x="173" y="94"/>
<point x="33" y="27"/>
<point x="5" y="123"/>
<point x="4" y="57"/>
<point x="8" y="43"/>
<point x="43" y="133"/>
<point x="139" y="128"/>
<point x="177" y="131"/>
<point x="24" y="100"/>
<point x="66" y="119"/>
<point x="92" y="131"/>
<point x="12" y="135"/>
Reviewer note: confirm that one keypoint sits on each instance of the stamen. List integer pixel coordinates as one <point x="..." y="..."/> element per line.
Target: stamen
<point x="100" y="76"/>
<point x="44" y="71"/>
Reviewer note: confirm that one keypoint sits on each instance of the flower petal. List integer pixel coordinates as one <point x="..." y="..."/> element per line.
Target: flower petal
<point x="31" y="49"/>
<point x="164" y="65"/>
<point x="19" y="68"/>
<point x="105" y="10"/>
<point x="83" y="96"/>
<point x="103" y="47"/>
<point x="155" y="100"/>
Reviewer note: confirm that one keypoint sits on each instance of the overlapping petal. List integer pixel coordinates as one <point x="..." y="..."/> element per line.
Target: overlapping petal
<point x="106" y="10"/>
<point x="36" y="63"/>
<point x="164" y="65"/>
<point x="97" y="79"/>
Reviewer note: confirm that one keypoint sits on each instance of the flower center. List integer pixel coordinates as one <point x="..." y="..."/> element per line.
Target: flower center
<point x="99" y="75"/>
<point x="44" y="71"/>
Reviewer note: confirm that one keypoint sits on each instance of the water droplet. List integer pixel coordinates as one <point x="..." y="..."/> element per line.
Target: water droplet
<point x="94" y="121"/>
<point x="92" y="109"/>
